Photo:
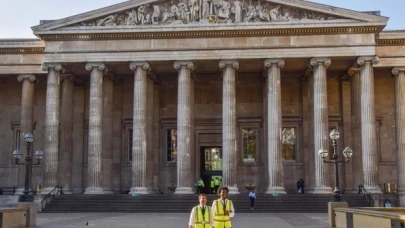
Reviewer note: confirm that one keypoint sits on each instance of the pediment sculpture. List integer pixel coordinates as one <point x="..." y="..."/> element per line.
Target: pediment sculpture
<point x="207" y="11"/>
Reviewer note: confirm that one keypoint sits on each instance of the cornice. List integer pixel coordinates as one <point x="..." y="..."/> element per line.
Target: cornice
<point x="390" y="42"/>
<point x="39" y="50"/>
<point x="216" y="33"/>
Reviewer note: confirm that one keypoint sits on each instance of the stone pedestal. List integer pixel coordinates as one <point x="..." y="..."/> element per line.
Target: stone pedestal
<point x="94" y="173"/>
<point x="368" y="121"/>
<point x="331" y="212"/>
<point x="274" y="125"/>
<point x="184" y="106"/>
<point x="32" y="210"/>
<point x="139" y="148"/>
<point x="229" y="148"/>
<point x="320" y="123"/>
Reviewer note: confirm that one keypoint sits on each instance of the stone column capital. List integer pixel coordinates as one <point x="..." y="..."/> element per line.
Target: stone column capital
<point x="279" y="62"/>
<point x="29" y="77"/>
<point x="100" y="66"/>
<point x="56" y="66"/>
<point x="229" y="62"/>
<point x="70" y="77"/>
<point x="318" y="61"/>
<point x="189" y="64"/>
<point x="396" y="70"/>
<point x="144" y="65"/>
<point x="372" y="59"/>
<point x="353" y="71"/>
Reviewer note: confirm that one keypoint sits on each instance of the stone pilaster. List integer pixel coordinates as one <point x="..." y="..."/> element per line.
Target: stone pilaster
<point x="139" y="140"/>
<point x="399" y="74"/>
<point x="184" y="125"/>
<point x="107" y="154"/>
<point x="320" y="123"/>
<point x="274" y="125"/>
<point x="66" y="131"/>
<point x="51" y="138"/>
<point x="356" y="159"/>
<point x="26" y="121"/>
<point x="229" y="148"/>
<point x="95" y="148"/>
<point x="368" y="128"/>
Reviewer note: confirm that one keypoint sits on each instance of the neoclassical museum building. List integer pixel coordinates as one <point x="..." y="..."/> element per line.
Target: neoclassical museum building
<point x="150" y="94"/>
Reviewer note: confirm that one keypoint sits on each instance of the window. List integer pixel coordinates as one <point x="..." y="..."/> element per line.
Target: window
<point x="171" y="145"/>
<point x="129" y="147"/>
<point x="249" y="144"/>
<point x="288" y="143"/>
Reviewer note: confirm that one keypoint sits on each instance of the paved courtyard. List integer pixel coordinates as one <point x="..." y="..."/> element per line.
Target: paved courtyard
<point x="155" y="220"/>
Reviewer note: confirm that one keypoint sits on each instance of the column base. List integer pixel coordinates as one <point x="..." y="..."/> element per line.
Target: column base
<point x="67" y="191"/>
<point x="139" y="190"/>
<point x="401" y="195"/>
<point x="275" y="189"/>
<point x="108" y="191"/>
<point x="93" y="191"/>
<point x="233" y="190"/>
<point x="47" y="190"/>
<point x="184" y="190"/>
<point x="19" y="191"/>
<point x="373" y="189"/>
<point x="322" y="190"/>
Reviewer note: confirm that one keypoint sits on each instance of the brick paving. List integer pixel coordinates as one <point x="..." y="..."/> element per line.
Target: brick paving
<point x="170" y="220"/>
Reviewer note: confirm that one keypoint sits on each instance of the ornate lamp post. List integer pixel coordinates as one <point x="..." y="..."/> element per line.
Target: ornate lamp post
<point x="337" y="196"/>
<point x="27" y="197"/>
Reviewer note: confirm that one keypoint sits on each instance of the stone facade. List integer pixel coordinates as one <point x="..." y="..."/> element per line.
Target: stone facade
<point x="140" y="95"/>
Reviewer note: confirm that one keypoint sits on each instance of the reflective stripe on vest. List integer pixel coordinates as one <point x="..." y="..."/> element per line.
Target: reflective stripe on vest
<point x="202" y="221"/>
<point x="222" y="220"/>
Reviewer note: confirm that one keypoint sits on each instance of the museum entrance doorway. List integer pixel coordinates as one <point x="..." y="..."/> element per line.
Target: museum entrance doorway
<point x="210" y="165"/>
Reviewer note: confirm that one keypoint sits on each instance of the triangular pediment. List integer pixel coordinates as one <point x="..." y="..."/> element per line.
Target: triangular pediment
<point x="158" y="14"/>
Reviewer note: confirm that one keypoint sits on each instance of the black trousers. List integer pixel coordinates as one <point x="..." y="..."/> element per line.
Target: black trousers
<point x="199" y="189"/>
<point x="252" y="202"/>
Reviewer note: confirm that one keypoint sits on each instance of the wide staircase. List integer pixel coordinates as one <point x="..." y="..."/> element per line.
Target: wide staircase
<point x="306" y="203"/>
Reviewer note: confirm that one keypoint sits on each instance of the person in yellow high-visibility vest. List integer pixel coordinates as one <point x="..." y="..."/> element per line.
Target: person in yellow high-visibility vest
<point x="200" y="186"/>
<point x="212" y="187"/>
<point x="216" y="184"/>
<point x="222" y="209"/>
<point x="201" y="216"/>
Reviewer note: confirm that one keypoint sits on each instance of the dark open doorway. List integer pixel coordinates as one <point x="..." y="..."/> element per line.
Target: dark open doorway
<point x="211" y="165"/>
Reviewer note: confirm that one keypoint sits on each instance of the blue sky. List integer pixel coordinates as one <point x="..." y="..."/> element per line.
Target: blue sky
<point x="17" y="16"/>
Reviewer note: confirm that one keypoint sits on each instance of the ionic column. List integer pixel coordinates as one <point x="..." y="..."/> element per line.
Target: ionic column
<point x="51" y="139"/>
<point x="66" y="131"/>
<point x="139" y="148"/>
<point x="229" y="148"/>
<point x="356" y="127"/>
<point x="94" y="173"/>
<point x="107" y="154"/>
<point x="184" y="125"/>
<point x="274" y="125"/>
<point x="368" y="128"/>
<point x="320" y="129"/>
<point x="26" y="121"/>
<point x="399" y="74"/>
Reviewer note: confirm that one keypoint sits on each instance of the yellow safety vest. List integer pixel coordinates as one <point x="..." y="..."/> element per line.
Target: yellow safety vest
<point x="212" y="184"/>
<point x="201" y="221"/>
<point x="220" y="219"/>
<point x="216" y="182"/>
<point x="200" y="183"/>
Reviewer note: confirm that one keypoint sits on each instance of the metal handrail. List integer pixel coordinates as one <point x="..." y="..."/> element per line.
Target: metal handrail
<point x="368" y="196"/>
<point x="49" y="197"/>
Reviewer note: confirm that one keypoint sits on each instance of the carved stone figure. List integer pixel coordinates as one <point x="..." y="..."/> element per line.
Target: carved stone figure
<point x="205" y="9"/>
<point x="166" y="15"/>
<point x="237" y="10"/>
<point x="250" y="13"/>
<point x="194" y="10"/>
<point x="107" y="21"/>
<point x="141" y="14"/>
<point x="286" y="17"/>
<point x="274" y="13"/>
<point x="174" y="11"/>
<point x="261" y="13"/>
<point x="223" y="9"/>
<point x="183" y="12"/>
<point x="131" y="18"/>
<point x="156" y="14"/>
<point x="147" y="20"/>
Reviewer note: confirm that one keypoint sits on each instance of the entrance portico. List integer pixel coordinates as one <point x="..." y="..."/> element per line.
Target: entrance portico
<point x="148" y="95"/>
